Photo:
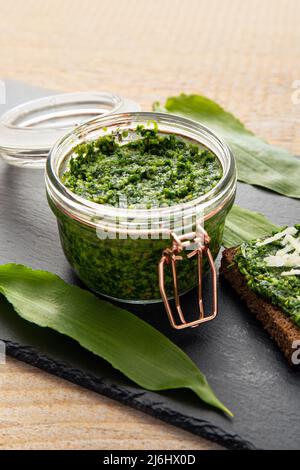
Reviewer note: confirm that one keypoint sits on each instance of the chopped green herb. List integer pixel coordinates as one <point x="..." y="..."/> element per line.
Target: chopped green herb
<point x="266" y="266"/>
<point x="154" y="169"/>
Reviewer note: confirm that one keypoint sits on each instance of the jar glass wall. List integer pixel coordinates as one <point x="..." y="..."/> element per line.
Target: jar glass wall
<point x="115" y="251"/>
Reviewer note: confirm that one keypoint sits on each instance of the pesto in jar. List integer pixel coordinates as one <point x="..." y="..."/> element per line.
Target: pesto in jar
<point x="153" y="170"/>
<point x="150" y="169"/>
<point x="271" y="268"/>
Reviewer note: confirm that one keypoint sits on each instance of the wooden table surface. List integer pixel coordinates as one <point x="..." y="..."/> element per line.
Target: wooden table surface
<point x="245" y="54"/>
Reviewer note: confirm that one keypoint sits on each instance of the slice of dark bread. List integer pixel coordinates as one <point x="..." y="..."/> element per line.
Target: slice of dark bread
<point x="278" y="325"/>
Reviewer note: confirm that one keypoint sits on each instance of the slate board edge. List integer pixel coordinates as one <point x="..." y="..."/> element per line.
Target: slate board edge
<point x="91" y="382"/>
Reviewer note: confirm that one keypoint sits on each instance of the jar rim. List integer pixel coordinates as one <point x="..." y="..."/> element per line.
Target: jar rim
<point x="81" y="208"/>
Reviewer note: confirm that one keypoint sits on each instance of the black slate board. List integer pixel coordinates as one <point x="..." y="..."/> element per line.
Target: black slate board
<point x="242" y="364"/>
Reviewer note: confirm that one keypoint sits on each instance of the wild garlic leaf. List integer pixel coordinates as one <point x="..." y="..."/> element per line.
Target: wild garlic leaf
<point x="258" y="162"/>
<point x="129" y="344"/>
<point x="243" y="225"/>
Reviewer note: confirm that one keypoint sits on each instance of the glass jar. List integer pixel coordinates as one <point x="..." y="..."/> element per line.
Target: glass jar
<point x="28" y="131"/>
<point x="117" y="252"/>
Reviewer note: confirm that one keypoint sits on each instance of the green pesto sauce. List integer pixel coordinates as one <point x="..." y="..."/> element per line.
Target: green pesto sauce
<point x="153" y="170"/>
<point x="282" y="291"/>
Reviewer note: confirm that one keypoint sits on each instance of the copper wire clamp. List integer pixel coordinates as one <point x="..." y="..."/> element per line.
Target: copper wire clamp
<point x="171" y="256"/>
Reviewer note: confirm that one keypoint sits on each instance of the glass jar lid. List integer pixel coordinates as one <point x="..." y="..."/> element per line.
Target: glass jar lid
<point x="28" y="131"/>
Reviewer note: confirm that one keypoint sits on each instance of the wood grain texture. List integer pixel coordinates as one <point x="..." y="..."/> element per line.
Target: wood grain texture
<point x="40" y="411"/>
<point x="242" y="53"/>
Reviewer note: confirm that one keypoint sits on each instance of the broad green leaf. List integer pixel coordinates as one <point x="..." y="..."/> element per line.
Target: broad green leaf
<point x="244" y="225"/>
<point x="258" y="162"/>
<point x="129" y="344"/>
